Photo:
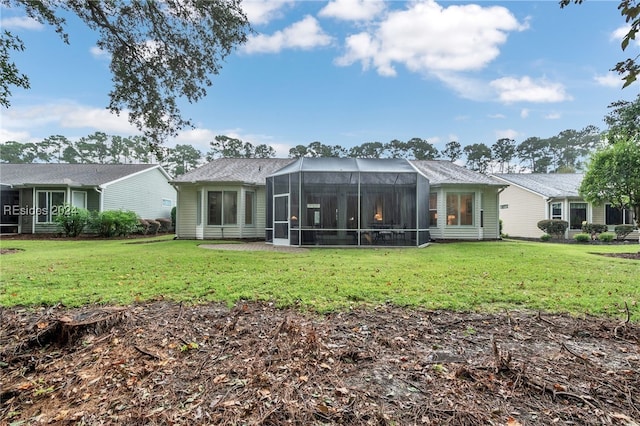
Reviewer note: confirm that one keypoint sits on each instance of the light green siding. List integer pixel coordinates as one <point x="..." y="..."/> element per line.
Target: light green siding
<point x="187" y="227"/>
<point x="485" y="199"/>
<point x="142" y="193"/>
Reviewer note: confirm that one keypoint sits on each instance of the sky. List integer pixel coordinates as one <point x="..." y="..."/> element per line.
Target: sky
<point x="347" y="72"/>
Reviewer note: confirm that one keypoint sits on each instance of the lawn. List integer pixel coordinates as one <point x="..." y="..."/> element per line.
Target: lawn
<point x="467" y="276"/>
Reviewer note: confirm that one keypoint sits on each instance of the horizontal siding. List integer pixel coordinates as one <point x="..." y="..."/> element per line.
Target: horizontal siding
<point x="186" y="213"/>
<point x="491" y="229"/>
<point x="524" y="212"/>
<point x="142" y="193"/>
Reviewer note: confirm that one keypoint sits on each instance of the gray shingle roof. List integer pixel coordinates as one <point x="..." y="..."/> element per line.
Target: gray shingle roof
<point x="244" y="170"/>
<point x="441" y="172"/>
<point x="67" y="174"/>
<point x="558" y="185"/>
<point x="255" y="170"/>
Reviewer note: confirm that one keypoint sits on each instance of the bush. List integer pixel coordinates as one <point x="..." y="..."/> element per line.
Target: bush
<point x="593" y="229"/>
<point x="72" y="220"/>
<point x="623" y="230"/>
<point x="582" y="238"/>
<point x="153" y="227"/>
<point x="173" y="217"/>
<point x="606" y="237"/>
<point x="545" y="237"/>
<point x="111" y="223"/>
<point x="165" y="224"/>
<point x="554" y="227"/>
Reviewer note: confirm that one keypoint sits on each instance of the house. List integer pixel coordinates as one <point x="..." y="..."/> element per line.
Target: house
<point x="532" y="197"/>
<point x="32" y="193"/>
<point x="336" y="201"/>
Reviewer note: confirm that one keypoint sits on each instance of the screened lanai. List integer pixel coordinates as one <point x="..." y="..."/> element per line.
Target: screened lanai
<point x="347" y="202"/>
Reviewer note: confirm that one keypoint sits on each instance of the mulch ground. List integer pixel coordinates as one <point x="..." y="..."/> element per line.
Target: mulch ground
<point x="164" y="363"/>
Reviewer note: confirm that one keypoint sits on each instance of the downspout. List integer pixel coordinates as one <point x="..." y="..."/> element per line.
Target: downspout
<point x="99" y="189"/>
<point x="34" y="217"/>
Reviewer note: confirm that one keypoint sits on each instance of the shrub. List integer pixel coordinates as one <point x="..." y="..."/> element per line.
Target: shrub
<point x="582" y="238"/>
<point x="112" y="223"/>
<point x="606" y="237"/>
<point x="72" y="220"/>
<point x="153" y="227"/>
<point x="623" y="230"/>
<point x="545" y="237"/>
<point x="593" y="229"/>
<point x="173" y="217"/>
<point x="554" y="227"/>
<point x="165" y="224"/>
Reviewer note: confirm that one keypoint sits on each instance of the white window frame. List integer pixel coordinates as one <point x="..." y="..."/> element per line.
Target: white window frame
<point x="84" y="201"/>
<point x="48" y="210"/>
<point x="458" y="214"/>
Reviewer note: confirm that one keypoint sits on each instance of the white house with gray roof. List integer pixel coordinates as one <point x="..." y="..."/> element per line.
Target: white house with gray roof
<point x="31" y="193"/>
<point x="336" y="201"/>
<point x="532" y="197"/>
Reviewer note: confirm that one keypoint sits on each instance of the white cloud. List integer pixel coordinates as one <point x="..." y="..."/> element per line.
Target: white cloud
<point x="20" y="22"/>
<point x="427" y="37"/>
<point x="553" y="116"/>
<point x="506" y="134"/>
<point x="619" y="33"/>
<point x="263" y="11"/>
<point x="497" y="116"/>
<point x="98" y="53"/>
<point x="305" y="35"/>
<point x="353" y="10"/>
<point x="46" y="119"/>
<point x="611" y="79"/>
<point x="524" y="113"/>
<point x="525" y="89"/>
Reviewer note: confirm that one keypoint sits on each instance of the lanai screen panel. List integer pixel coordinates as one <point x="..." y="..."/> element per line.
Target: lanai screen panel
<point x="344" y="201"/>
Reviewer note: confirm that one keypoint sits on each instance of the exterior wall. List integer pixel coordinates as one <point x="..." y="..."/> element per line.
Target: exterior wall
<point x="598" y="216"/>
<point x="186" y="212"/>
<point x="520" y="211"/>
<point x="187" y="227"/>
<point x="485" y="200"/>
<point x="491" y="228"/>
<point x="142" y="193"/>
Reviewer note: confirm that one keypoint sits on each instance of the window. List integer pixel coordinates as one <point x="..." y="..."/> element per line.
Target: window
<point x="616" y="216"/>
<point x="577" y="215"/>
<point x="433" y="209"/>
<point x="459" y="209"/>
<point x="556" y="211"/>
<point x="79" y="199"/>
<point x="166" y="202"/>
<point x="249" y="207"/>
<point x="222" y="207"/>
<point x="48" y="205"/>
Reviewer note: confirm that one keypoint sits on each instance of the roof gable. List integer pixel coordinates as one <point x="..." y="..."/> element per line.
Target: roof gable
<point x="553" y="185"/>
<point x="33" y="174"/>
<point x="440" y="172"/>
<point x="252" y="171"/>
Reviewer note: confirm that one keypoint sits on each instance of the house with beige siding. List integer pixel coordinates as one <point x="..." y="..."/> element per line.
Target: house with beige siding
<point x="532" y="197"/>
<point x="31" y="194"/>
<point x="336" y="202"/>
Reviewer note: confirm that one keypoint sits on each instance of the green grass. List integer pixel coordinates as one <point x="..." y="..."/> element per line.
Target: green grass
<point x="459" y="276"/>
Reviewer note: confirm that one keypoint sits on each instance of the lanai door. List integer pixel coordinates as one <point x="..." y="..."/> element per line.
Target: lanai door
<point x="281" y="219"/>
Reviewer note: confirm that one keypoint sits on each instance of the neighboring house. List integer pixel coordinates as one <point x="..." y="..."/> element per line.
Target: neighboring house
<point x="336" y="201"/>
<point x="532" y="197"/>
<point x="32" y="192"/>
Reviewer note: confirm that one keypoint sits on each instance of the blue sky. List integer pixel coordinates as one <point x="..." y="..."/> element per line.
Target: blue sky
<point x="347" y="72"/>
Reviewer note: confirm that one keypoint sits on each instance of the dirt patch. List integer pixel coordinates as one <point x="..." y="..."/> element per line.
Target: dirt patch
<point x="635" y="256"/>
<point x="165" y="363"/>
